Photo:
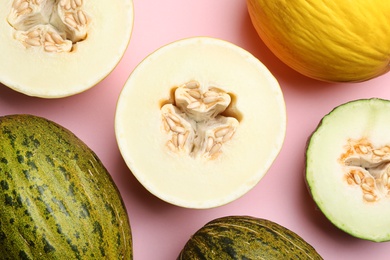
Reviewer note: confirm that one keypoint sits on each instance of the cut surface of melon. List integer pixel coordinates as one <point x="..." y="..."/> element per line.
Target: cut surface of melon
<point x="58" y="48"/>
<point x="200" y="121"/>
<point x="348" y="168"/>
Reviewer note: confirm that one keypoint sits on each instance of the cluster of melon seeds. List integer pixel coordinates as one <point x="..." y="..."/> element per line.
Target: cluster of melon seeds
<point x="52" y="25"/>
<point x="194" y="123"/>
<point x="367" y="167"/>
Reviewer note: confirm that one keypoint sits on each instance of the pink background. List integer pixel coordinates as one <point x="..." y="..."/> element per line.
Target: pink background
<point x="159" y="229"/>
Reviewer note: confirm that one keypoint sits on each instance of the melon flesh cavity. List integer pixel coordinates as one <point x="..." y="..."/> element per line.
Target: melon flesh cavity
<point x="194" y="176"/>
<point x="54" y="49"/>
<point x="348" y="168"/>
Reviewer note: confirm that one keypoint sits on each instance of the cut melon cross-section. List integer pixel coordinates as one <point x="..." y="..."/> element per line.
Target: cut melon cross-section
<point x="58" y="48"/>
<point x="348" y="168"/>
<point x="200" y="121"/>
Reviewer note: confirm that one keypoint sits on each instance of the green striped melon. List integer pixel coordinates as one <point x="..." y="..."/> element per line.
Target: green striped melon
<point x="246" y="237"/>
<point x="57" y="200"/>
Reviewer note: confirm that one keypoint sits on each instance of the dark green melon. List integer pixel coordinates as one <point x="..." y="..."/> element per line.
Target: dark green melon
<point x="244" y="238"/>
<point x="57" y="200"/>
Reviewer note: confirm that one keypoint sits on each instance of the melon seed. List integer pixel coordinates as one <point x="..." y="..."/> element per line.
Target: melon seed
<point x="66" y="18"/>
<point x="369" y="168"/>
<point x="201" y="129"/>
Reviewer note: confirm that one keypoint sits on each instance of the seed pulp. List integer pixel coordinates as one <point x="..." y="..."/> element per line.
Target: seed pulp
<point x="194" y="122"/>
<point x="51" y="25"/>
<point x="368" y="168"/>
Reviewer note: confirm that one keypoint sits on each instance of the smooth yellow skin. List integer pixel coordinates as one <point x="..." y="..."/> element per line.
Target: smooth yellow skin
<point x="329" y="40"/>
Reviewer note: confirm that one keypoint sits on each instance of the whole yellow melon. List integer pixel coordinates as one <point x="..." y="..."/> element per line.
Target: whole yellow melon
<point x="329" y="40"/>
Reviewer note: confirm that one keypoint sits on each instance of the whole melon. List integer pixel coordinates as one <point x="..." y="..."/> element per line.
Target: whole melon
<point x="334" y="41"/>
<point x="246" y="237"/>
<point x="57" y="200"/>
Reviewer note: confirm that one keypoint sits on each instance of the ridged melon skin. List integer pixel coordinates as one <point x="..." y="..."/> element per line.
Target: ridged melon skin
<point x="246" y="237"/>
<point x="326" y="40"/>
<point x="57" y="200"/>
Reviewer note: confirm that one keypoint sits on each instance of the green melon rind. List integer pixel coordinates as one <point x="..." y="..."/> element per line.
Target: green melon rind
<point x="246" y="237"/>
<point x="57" y="200"/>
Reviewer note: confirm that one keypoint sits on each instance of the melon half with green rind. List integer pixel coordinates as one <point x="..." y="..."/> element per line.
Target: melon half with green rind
<point x="348" y="168"/>
<point x="54" y="49"/>
<point x="200" y="121"/>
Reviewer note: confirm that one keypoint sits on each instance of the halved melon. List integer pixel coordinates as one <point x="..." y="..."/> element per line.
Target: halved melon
<point x="348" y="168"/>
<point x="58" y="48"/>
<point x="200" y="121"/>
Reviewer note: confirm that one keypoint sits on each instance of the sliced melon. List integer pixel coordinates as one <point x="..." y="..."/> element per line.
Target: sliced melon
<point x="58" y="48"/>
<point x="348" y="168"/>
<point x="200" y="121"/>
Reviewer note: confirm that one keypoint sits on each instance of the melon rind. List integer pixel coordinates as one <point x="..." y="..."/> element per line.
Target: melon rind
<point x="57" y="199"/>
<point x="246" y="237"/>
<point x="332" y="41"/>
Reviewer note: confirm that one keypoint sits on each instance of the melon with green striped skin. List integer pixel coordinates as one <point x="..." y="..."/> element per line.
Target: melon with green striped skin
<point x="246" y="237"/>
<point x="57" y="200"/>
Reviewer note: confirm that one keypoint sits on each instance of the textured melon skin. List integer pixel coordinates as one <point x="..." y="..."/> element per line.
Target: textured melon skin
<point x="57" y="200"/>
<point x="246" y="237"/>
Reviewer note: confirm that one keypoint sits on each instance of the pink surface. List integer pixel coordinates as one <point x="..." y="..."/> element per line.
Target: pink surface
<point x="159" y="229"/>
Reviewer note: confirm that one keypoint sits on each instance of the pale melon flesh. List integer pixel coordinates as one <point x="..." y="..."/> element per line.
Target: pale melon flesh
<point x="58" y="48"/>
<point x="200" y="121"/>
<point x="348" y="168"/>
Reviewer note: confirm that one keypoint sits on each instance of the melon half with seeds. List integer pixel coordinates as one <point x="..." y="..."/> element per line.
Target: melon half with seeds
<point x="348" y="168"/>
<point x="200" y="121"/>
<point x="58" y="48"/>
